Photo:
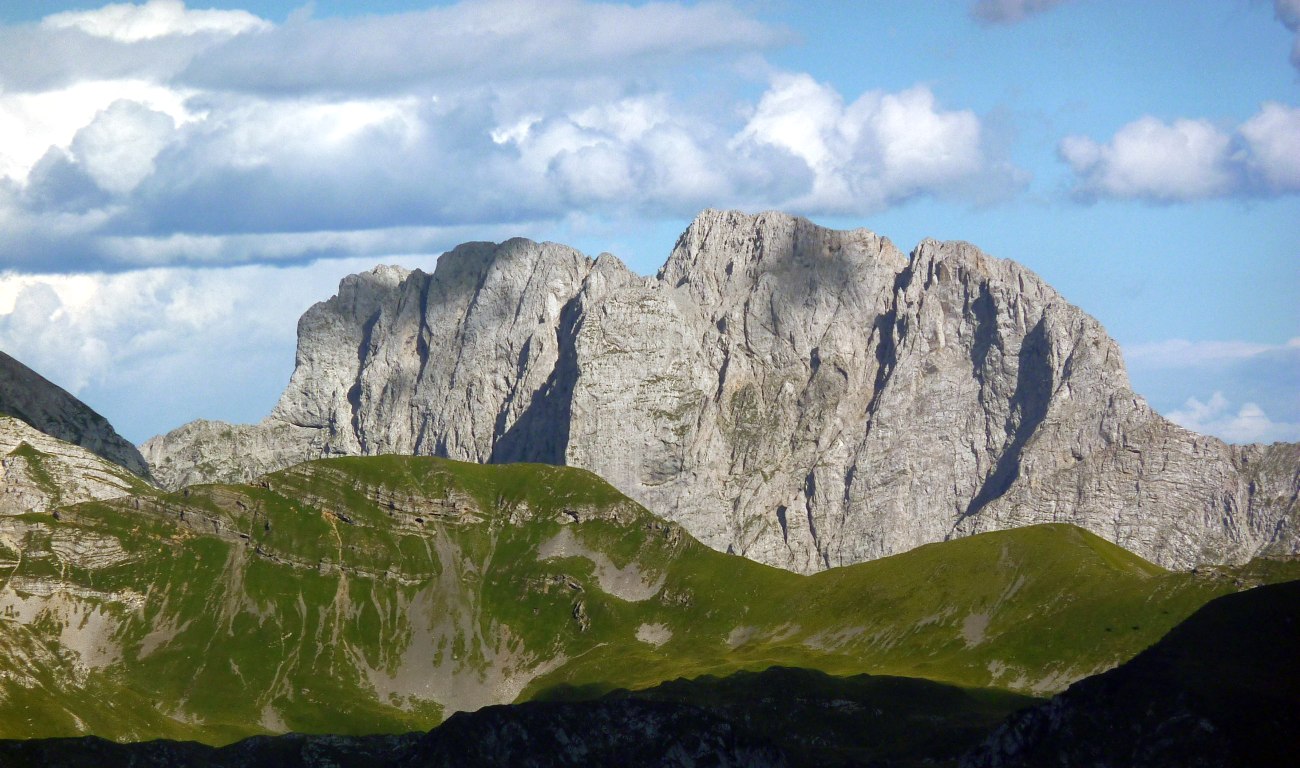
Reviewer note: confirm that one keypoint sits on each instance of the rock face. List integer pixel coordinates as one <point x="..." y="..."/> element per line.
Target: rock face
<point x="39" y="472"/>
<point x="801" y="396"/>
<point x="26" y="395"/>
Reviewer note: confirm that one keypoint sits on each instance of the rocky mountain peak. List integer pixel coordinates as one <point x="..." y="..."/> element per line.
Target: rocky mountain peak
<point x="48" y="408"/>
<point x="803" y="396"/>
<point x="735" y="249"/>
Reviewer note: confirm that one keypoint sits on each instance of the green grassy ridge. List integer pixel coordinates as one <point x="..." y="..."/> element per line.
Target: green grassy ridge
<point x="1061" y="603"/>
<point x="360" y="595"/>
<point x="259" y="603"/>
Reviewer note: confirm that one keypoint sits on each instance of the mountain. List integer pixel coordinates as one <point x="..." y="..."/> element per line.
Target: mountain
<point x="55" y="450"/>
<point x="1218" y="691"/>
<point x="804" y="397"/>
<point x="29" y="397"/>
<point x="39" y="472"/>
<point x="382" y="594"/>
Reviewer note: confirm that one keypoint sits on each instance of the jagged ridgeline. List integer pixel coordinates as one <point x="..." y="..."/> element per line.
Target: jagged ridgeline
<point x="381" y="594"/>
<point x="805" y="397"/>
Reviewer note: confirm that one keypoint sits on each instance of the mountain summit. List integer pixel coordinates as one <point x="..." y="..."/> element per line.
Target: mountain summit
<point x="801" y="396"/>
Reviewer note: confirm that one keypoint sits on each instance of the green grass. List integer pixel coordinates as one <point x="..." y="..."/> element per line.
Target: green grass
<point x="39" y="473"/>
<point x="379" y="594"/>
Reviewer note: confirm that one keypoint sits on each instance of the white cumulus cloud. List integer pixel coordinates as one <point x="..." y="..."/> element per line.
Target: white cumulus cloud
<point x="879" y="149"/>
<point x="118" y="147"/>
<point x="1245" y="424"/>
<point x="1272" y="141"/>
<point x="33" y="123"/>
<point x="211" y="177"/>
<point x="1150" y="159"/>
<point x="153" y="348"/>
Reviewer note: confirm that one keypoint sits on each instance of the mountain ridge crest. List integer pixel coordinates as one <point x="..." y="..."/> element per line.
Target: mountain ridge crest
<point x="802" y="396"/>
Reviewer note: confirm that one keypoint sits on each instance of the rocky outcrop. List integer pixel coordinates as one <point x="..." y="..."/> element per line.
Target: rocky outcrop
<point x="29" y="397"/>
<point x="39" y="472"/>
<point x="203" y="451"/>
<point x="802" y="396"/>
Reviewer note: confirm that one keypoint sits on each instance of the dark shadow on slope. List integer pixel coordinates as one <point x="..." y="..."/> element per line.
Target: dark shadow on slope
<point x="541" y="433"/>
<point x="1221" y="690"/>
<point x="1029" y="406"/>
<point x="985" y="314"/>
<point x="884" y="327"/>
<point x="778" y="717"/>
<point x="818" y="719"/>
<point x="354" y="392"/>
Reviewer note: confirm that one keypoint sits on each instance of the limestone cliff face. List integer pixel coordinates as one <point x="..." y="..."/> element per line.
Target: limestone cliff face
<point x="801" y="396"/>
<point x="29" y="397"/>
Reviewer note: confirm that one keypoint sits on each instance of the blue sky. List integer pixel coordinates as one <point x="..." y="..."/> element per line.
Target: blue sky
<point x="178" y="183"/>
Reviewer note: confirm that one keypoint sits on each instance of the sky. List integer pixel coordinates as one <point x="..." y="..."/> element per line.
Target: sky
<point x="179" y="182"/>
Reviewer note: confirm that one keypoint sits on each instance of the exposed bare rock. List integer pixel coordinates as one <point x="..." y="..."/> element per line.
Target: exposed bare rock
<point x="801" y="396"/>
<point x="209" y="451"/>
<point x="39" y="472"/>
<point x="29" y="397"/>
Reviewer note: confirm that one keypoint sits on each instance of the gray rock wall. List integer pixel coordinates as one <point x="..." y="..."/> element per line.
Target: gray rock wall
<point x="801" y="396"/>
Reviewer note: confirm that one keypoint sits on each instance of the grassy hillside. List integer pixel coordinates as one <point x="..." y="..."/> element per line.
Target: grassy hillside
<point x="359" y="595"/>
<point x="1219" y="690"/>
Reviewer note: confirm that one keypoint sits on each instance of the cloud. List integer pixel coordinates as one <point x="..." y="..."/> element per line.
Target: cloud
<point x="1175" y="374"/>
<point x="481" y="39"/>
<point x="1248" y="424"/>
<point x="1187" y="160"/>
<point x="33" y="123"/>
<point x="1272" y="141"/>
<point x="1011" y="11"/>
<point x="880" y="149"/>
<point x="130" y="23"/>
<point x="118" y="147"/>
<point x="1150" y="159"/>
<point x="161" y="346"/>
<point x="211" y="177"/>
<point x="1182" y="354"/>
<point x="138" y="135"/>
